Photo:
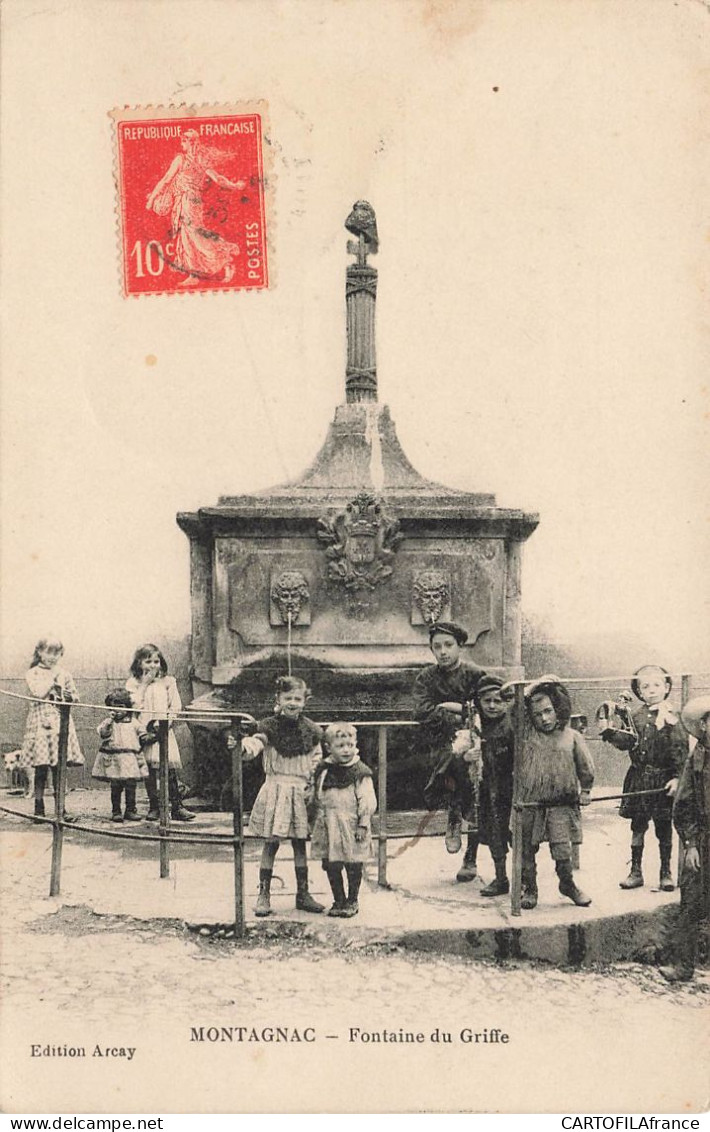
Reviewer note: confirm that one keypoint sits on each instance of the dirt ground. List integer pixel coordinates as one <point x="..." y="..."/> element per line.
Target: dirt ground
<point x="606" y="1039"/>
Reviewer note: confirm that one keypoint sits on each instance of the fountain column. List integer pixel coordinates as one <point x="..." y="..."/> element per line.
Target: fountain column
<point x="360" y="298"/>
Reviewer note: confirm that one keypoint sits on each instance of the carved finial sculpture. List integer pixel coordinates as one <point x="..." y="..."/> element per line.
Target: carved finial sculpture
<point x="362" y="222"/>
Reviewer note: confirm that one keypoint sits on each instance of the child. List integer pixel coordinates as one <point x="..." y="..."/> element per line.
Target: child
<point x="497" y="779"/>
<point x="657" y="747"/>
<point x="615" y="716"/>
<point x="155" y="694"/>
<point x="691" y="817"/>
<point x="120" y="760"/>
<point x="344" y="798"/>
<point x="49" y="682"/>
<point x="556" y="771"/>
<point x="442" y="692"/>
<point x="291" y="748"/>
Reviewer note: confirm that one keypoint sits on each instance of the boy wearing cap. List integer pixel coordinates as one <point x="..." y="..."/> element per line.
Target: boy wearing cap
<point x="691" y="817"/>
<point x="497" y="780"/>
<point x="442" y="692"/>
<point x="657" y="747"/>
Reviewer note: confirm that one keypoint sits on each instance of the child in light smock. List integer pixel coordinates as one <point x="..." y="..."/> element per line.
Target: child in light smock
<point x="344" y="802"/>
<point x="120" y="760"/>
<point x="291" y="748"/>
<point x="155" y="694"/>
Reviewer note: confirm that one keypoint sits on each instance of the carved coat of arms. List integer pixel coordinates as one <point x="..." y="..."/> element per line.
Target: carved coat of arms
<point x="360" y="544"/>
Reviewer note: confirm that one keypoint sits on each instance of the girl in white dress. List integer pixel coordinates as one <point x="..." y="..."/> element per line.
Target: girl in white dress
<point x="290" y="745"/>
<point x="49" y="682"/>
<point x="155" y="695"/>
<point x="344" y="803"/>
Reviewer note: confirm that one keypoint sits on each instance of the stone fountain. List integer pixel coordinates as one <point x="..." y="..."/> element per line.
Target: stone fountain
<point x="337" y="575"/>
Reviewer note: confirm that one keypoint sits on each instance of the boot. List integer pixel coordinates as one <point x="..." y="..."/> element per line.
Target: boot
<point x="263" y="901"/>
<point x="468" y="870"/>
<point x="130" y="812"/>
<point x="304" y="900"/>
<point x="179" y="813"/>
<point x="151" y="789"/>
<point x="567" y="885"/>
<point x="116" y="790"/>
<point x="667" y="884"/>
<point x="39" y="807"/>
<point x="499" y="886"/>
<point x="452" y="837"/>
<point x="177" y="810"/>
<point x="635" y="877"/>
<point x="335" y="879"/>
<point x="529" y="897"/>
<point x="354" y="875"/>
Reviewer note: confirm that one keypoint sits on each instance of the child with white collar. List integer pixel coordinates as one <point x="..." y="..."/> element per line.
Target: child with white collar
<point x="344" y="799"/>
<point x="657" y="749"/>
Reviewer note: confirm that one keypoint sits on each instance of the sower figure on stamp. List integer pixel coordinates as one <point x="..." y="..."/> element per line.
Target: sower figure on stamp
<point x="441" y="693"/>
<point x="691" y="817"/>
<point x="199" y="251"/>
<point x="657" y="747"/>
<point x="557" y="773"/>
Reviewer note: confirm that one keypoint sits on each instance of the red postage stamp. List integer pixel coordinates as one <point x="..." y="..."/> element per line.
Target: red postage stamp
<point x="192" y="199"/>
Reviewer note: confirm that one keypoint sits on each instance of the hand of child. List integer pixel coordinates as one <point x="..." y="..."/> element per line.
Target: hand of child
<point x="585" y="798"/>
<point x="251" y="746"/>
<point x="462" y="742"/>
<point x="362" y="831"/>
<point x="692" y="859"/>
<point x="671" y="787"/>
<point x="231" y="741"/>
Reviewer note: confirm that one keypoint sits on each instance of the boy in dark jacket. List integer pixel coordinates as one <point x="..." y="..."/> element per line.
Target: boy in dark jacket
<point x="497" y="779"/>
<point x="657" y="747"/>
<point x="442" y="692"/>
<point x="691" y="817"/>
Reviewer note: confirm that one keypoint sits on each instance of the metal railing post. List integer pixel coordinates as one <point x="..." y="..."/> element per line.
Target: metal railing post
<point x="238" y="830"/>
<point x="60" y="789"/>
<point x="517" y="813"/>
<point x="382" y="806"/>
<point x="163" y="798"/>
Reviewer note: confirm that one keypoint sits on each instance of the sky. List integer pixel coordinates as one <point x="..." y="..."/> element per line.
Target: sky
<point x="538" y="174"/>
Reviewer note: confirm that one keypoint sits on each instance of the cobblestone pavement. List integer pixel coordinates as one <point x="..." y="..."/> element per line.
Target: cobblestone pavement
<point x="601" y="1039"/>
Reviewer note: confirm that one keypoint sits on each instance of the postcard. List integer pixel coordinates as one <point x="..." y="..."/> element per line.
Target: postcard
<point x="354" y="379"/>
